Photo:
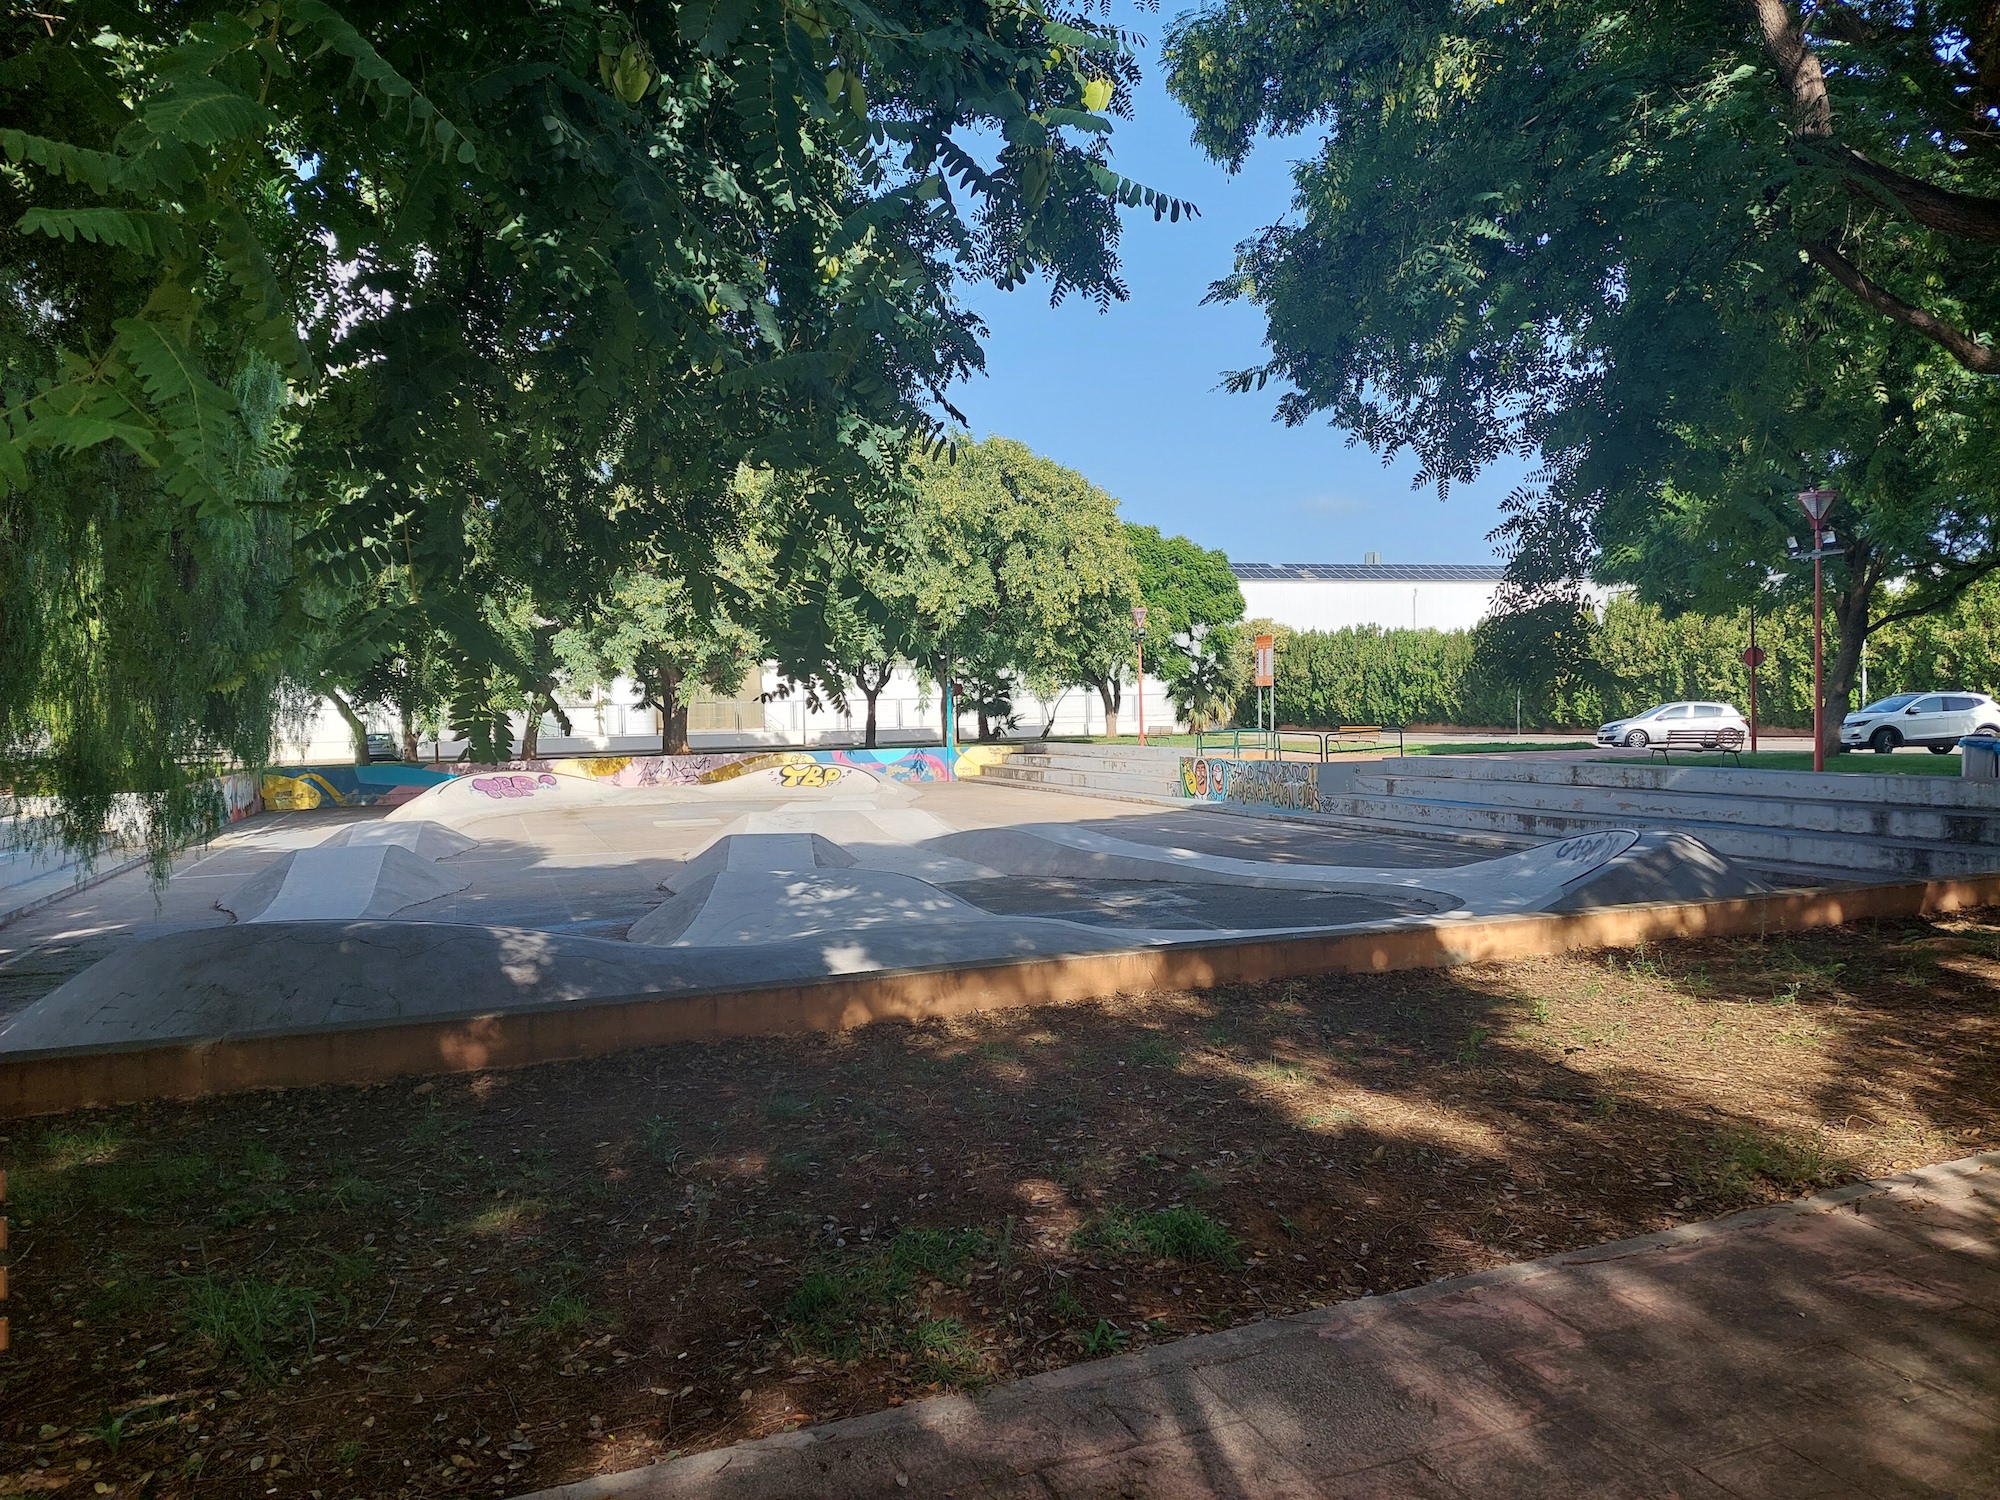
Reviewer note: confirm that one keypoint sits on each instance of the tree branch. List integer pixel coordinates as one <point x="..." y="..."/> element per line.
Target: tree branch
<point x="1981" y="359"/>
<point x="1923" y="603"/>
<point x="1798" y="66"/>
<point x="1963" y="215"/>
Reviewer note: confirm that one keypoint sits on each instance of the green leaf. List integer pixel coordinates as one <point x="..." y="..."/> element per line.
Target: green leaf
<point x="97" y="226"/>
<point x="99" y="171"/>
<point x="194" y="410"/>
<point x="205" y="111"/>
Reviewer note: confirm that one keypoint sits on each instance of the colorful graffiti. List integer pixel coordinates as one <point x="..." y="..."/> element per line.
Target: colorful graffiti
<point x="1203" y="779"/>
<point x="1289" y="784"/>
<point x="300" y="789"/>
<point x="499" y="787"/>
<point x="301" y="793"/>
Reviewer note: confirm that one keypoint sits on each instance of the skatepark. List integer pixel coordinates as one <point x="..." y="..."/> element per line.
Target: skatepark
<point x="525" y="889"/>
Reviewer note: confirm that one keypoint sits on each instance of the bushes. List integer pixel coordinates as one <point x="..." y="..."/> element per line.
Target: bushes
<point x="1368" y="675"/>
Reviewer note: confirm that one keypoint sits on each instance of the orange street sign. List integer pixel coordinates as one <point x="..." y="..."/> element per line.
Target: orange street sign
<point x="1267" y="660"/>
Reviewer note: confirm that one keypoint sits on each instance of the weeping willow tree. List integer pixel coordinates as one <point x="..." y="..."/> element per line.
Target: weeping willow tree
<point x="331" y="329"/>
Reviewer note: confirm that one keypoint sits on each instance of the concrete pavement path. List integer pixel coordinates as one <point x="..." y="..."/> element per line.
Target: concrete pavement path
<point x="1846" y="1345"/>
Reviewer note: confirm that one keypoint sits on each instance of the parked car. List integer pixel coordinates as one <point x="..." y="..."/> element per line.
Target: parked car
<point x="1691" y="724"/>
<point x="384" y="747"/>
<point x="1937" y="721"/>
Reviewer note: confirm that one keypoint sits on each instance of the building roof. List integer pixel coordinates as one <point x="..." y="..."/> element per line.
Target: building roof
<point x="1369" y="572"/>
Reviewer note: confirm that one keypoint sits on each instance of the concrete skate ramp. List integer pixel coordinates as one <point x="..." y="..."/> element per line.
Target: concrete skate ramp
<point x="764" y="853"/>
<point x="467" y="799"/>
<point x="1527" y="881"/>
<point x="424" y="839"/>
<point x="750" y="908"/>
<point x="343" y="883"/>
<point x="287" y="977"/>
<point x="1662" y="866"/>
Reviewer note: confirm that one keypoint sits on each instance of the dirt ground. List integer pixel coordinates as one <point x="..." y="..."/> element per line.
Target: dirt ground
<point x="497" y="1283"/>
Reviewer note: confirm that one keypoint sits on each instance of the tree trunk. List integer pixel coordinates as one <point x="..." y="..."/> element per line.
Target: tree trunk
<point x="354" y="726"/>
<point x="409" y="734"/>
<point x="673" y="712"/>
<point x="1850" y="621"/>
<point x="1111" y="693"/>
<point x="531" y="731"/>
<point x="868" y="729"/>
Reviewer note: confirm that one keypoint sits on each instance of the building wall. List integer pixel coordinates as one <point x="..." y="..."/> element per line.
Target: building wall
<point x="608" y="721"/>
<point x="1314" y="604"/>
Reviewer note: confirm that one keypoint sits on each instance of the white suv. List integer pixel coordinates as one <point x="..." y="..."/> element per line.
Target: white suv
<point x="1705" y="726"/>
<point x="1934" y="720"/>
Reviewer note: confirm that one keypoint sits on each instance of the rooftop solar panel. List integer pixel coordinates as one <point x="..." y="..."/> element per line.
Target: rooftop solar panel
<point x="1371" y="572"/>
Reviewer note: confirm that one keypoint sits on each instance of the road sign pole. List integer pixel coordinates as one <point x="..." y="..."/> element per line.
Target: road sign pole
<point x="1753" y="656"/>
<point x="1818" y="504"/>
<point x="1139" y="639"/>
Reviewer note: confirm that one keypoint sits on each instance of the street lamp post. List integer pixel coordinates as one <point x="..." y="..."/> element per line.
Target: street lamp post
<point x="950" y="722"/>
<point x="1816" y="503"/>
<point x="1139" y="635"/>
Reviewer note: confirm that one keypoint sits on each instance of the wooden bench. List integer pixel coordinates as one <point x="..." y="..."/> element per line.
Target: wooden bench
<point x="1727" y="741"/>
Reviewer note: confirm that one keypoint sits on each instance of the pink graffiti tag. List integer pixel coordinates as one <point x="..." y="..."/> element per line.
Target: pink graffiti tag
<point x="497" y="787"/>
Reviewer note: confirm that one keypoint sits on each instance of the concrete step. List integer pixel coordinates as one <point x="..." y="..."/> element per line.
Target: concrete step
<point x="1107" y="765"/>
<point x="1865" y="856"/>
<point x="1852" y="819"/>
<point x="1062" y="779"/>
<point x="1719" y="779"/>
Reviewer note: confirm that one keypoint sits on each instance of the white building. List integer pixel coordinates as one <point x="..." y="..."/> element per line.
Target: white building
<point x="608" y="721"/>
<point x="1336" y="596"/>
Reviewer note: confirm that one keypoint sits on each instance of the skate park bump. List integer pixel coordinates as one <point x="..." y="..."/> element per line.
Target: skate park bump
<point x="342" y="883"/>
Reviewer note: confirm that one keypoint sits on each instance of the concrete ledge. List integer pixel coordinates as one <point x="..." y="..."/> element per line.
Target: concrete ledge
<point x="57" y="1079"/>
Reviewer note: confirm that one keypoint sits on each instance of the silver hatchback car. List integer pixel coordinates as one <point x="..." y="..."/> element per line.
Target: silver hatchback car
<point x="1704" y="726"/>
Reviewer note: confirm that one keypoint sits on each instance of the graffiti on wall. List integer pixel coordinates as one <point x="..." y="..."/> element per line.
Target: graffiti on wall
<point x="1203" y="779"/>
<point x="498" y="787"/>
<point x="1289" y="784"/>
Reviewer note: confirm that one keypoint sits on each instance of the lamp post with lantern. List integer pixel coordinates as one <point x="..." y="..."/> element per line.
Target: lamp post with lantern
<point x="1139" y="635"/>
<point x="1817" y="504"/>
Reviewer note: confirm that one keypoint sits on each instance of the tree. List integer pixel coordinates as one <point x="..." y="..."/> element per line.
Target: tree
<point x="654" y="630"/>
<point x="1193" y="606"/>
<point x="1210" y="677"/>
<point x="536" y="289"/>
<point x="1014" y="567"/>
<point x="1694" y="257"/>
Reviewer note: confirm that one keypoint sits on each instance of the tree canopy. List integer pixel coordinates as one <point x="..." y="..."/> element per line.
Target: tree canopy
<point x="367" y="319"/>
<point x="1693" y="257"/>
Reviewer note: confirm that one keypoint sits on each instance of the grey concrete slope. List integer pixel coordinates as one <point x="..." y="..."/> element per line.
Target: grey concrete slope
<point x="340" y="882"/>
<point x="1846" y="1346"/>
<point x="290" y="977"/>
<point x="1661" y="865"/>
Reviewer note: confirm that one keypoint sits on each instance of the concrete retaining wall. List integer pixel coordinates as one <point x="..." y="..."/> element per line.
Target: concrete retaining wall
<point x="71" y="1078"/>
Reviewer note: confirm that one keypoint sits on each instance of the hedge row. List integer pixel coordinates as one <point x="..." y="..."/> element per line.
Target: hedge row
<point x="1638" y="658"/>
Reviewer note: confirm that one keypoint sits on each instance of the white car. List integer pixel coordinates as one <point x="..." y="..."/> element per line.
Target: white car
<point x="1937" y="721"/>
<point x="1683" y="725"/>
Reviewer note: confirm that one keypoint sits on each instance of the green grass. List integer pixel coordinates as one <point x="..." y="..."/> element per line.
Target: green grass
<point x="565" y="1312"/>
<point x="1103" y="1339"/>
<point x="1795" y="1164"/>
<point x="855" y="1303"/>
<point x="1180" y="1233"/>
<point x="242" y="1320"/>
<point x="1497" y="747"/>
<point x="1902" y="763"/>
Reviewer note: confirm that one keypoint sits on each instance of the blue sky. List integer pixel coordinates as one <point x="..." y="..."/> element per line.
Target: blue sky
<point x="1131" y="398"/>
